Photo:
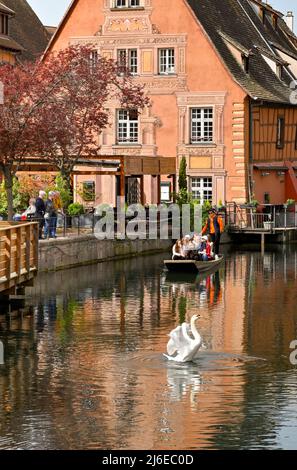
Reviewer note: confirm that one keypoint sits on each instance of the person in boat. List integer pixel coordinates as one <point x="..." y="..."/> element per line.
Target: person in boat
<point x="214" y="227"/>
<point x="207" y="254"/>
<point x="189" y="247"/>
<point x="178" y="253"/>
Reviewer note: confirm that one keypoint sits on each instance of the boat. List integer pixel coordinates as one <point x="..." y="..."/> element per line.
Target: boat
<point x="191" y="266"/>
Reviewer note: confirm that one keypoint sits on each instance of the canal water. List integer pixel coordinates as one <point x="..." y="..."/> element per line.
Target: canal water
<point x="84" y="365"/>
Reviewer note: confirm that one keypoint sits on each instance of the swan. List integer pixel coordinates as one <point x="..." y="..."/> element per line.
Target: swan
<point x="182" y="347"/>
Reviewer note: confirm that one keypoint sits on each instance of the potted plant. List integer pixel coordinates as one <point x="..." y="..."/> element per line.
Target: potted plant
<point x="76" y="210"/>
<point x="290" y="205"/>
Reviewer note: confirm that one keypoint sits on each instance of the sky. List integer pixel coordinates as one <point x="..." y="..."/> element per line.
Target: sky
<point x="51" y="11"/>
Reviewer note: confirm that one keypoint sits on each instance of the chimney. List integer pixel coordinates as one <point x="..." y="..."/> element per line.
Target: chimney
<point x="289" y="19"/>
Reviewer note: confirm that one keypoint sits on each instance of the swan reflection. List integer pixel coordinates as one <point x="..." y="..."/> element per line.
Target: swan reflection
<point x="183" y="380"/>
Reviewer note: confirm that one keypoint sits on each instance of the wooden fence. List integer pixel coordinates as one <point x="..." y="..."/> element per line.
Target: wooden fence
<point x="18" y="254"/>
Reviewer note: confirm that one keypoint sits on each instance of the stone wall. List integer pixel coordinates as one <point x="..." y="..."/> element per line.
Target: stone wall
<point x="79" y="251"/>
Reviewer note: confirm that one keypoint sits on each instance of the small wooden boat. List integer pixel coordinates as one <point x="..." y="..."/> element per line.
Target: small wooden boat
<point x="193" y="266"/>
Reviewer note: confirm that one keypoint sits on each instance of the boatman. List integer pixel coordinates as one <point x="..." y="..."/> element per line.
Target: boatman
<point x="214" y="227"/>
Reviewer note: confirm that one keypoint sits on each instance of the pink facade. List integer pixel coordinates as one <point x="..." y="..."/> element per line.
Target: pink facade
<point x="194" y="89"/>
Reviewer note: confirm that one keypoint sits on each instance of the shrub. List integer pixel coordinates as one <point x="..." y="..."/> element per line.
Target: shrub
<point x="182" y="180"/>
<point x="75" y="209"/>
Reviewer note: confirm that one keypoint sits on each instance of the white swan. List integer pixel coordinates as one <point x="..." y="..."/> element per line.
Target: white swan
<point x="182" y="347"/>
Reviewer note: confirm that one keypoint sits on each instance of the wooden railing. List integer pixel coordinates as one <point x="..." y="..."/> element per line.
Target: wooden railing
<point x="18" y="254"/>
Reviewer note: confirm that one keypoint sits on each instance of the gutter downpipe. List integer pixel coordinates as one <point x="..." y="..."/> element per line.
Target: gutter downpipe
<point x="251" y="170"/>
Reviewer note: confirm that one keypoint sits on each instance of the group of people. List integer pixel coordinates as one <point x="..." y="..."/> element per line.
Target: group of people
<point x="45" y="210"/>
<point x="204" y="246"/>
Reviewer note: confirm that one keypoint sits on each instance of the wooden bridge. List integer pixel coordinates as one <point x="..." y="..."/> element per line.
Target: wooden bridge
<point x="18" y="255"/>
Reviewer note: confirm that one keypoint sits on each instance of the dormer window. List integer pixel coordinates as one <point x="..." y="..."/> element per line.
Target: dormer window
<point x="3" y="24"/>
<point x="262" y="15"/>
<point x="127" y="3"/>
<point x="245" y="63"/>
<point x="280" y="71"/>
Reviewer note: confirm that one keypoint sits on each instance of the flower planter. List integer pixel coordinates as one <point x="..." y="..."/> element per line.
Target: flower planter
<point x="268" y="225"/>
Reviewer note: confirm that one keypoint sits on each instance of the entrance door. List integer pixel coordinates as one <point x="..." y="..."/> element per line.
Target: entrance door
<point x="133" y="191"/>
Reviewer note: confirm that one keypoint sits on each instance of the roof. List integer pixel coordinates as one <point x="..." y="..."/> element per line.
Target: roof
<point x="4" y="9"/>
<point x="7" y="43"/>
<point x="51" y="30"/>
<point x="239" y="21"/>
<point x="26" y="29"/>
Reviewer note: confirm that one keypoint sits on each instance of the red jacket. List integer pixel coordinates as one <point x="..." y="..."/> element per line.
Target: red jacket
<point x="208" y="250"/>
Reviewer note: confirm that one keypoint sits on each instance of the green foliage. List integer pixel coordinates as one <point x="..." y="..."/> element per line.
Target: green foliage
<point x="76" y="209"/>
<point x="183" y="197"/>
<point x="182" y="180"/>
<point x="290" y="202"/>
<point x="20" y="199"/>
<point x="205" y="211"/>
<point x="254" y="203"/>
<point x="62" y="185"/>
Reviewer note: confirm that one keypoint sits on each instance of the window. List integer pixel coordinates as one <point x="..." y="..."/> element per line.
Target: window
<point x="165" y="192"/>
<point x="280" y="71"/>
<point x="280" y="143"/>
<point x="93" y="59"/>
<point x="89" y="191"/>
<point x="4" y="24"/>
<point x="127" y="3"/>
<point x="127" y="131"/>
<point x="266" y="198"/>
<point x="166" y="61"/>
<point x="128" y="60"/>
<point x="202" y="189"/>
<point x="201" y="125"/>
<point x="245" y="63"/>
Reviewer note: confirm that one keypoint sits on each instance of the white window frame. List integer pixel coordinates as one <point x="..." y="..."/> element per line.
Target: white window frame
<point x="204" y="123"/>
<point x="167" y="61"/>
<point x="202" y="188"/>
<point x="127" y="127"/>
<point x="165" y="191"/>
<point x="131" y="60"/>
<point x="127" y="4"/>
<point x="94" y="57"/>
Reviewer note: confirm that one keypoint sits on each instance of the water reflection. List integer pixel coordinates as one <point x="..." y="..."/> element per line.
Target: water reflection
<point x="84" y="365"/>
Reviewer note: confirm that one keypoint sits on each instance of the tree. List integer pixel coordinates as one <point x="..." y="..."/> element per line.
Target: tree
<point x="182" y="181"/>
<point x="72" y="121"/>
<point x="54" y="109"/>
<point x="22" y="98"/>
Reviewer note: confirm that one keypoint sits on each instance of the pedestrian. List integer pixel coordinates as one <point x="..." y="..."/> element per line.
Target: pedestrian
<point x="214" y="227"/>
<point x="30" y="213"/>
<point x="58" y="209"/>
<point x="50" y="216"/>
<point x="40" y="211"/>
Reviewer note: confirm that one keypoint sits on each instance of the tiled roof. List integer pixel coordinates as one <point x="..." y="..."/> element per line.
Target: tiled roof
<point x="7" y="43"/>
<point x="4" y="9"/>
<point x="238" y="20"/>
<point x="26" y="29"/>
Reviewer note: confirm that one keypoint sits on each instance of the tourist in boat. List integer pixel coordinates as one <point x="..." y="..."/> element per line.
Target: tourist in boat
<point x="214" y="227"/>
<point x="207" y="254"/>
<point x="178" y="251"/>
